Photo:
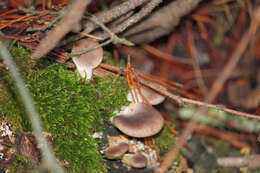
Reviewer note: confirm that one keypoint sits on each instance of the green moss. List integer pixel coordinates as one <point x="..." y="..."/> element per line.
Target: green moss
<point x="165" y="139"/>
<point x="71" y="109"/>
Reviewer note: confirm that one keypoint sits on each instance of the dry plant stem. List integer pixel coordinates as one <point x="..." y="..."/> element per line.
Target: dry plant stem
<point x="193" y="53"/>
<point x="231" y="138"/>
<point x="31" y="11"/>
<point x="68" y="23"/>
<point x="49" y="160"/>
<point x="181" y="100"/>
<point x="171" y="156"/>
<point x="137" y="17"/>
<point x="164" y="56"/>
<point x="50" y="24"/>
<point x="250" y="161"/>
<point x="117" y="11"/>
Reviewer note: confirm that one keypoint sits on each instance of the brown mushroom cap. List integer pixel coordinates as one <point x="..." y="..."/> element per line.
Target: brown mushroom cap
<point x="139" y="120"/>
<point x="135" y="160"/>
<point x="86" y="62"/>
<point x="153" y="97"/>
<point x="116" y="151"/>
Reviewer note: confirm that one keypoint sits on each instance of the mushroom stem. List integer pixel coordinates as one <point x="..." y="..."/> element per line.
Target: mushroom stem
<point x="85" y="73"/>
<point x="85" y="63"/>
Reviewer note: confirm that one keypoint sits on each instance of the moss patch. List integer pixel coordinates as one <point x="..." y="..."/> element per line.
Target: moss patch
<point x="71" y="109"/>
<point x="165" y="139"/>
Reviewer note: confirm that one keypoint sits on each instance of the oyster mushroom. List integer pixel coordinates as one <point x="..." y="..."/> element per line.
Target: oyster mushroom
<point x="135" y="160"/>
<point x="85" y="63"/>
<point x="139" y="120"/>
<point x="116" y="151"/>
<point x="153" y="97"/>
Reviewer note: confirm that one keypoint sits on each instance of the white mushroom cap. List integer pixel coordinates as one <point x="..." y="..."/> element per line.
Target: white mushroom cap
<point x="87" y="62"/>
<point x="135" y="160"/>
<point x="116" y="151"/>
<point x="139" y="120"/>
<point x="153" y="97"/>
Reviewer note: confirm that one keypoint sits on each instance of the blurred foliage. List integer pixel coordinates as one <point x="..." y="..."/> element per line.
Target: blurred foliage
<point x="216" y="118"/>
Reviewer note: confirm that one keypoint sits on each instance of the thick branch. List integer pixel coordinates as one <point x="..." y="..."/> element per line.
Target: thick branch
<point x="161" y="22"/>
<point x="117" y="11"/>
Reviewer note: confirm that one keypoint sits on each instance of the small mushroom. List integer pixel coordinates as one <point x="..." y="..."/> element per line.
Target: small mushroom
<point x="139" y="120"/>
<point x="85" y="63"/>
<point x="153" y="97"/>
<point x="135" y="160"/>
<point x="115" y="140"/>
<point x="116" y="151"/>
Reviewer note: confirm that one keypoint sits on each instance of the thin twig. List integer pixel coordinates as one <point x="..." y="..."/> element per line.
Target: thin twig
<point x="56" y="19"/>
<point x="162" y="90"/>
<point x="194" y="54"/>
<point x="113" y="39"/>
<point x="31" y="11"/>
<point x="112" y="35"/>
<point x="49" y="160"/>
<point x="171" y="156"/>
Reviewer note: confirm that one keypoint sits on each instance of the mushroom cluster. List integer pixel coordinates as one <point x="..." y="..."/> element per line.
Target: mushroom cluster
<point x="138" y="120"/>
<point x="133" y="153"/>
<point x="85" y="63"/>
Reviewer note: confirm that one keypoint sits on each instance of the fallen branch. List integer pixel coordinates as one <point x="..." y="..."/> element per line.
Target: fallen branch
<point x="69" y="22"/>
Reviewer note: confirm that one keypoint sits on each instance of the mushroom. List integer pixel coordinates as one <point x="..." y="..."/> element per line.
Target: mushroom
<point x="116" y="151"/>
<point x="139" y="120"/>
<point x="85" y="63"/>
<point x="137" y="160"/>
<point x="153" y="97"/>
